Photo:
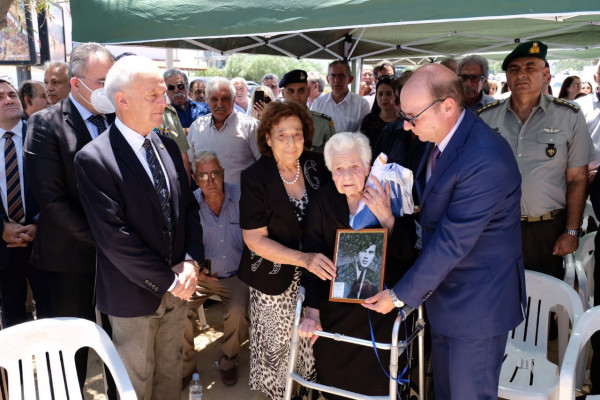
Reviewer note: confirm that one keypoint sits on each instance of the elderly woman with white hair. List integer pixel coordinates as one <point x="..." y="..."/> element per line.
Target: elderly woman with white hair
<point x="338" y="364"/>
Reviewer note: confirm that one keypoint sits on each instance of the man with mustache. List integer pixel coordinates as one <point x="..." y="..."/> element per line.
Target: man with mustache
<point x="232" y="135"/>
<point x="473" y="73"/>
<point x="553" y="147"/>
<point x="177" y="91"/>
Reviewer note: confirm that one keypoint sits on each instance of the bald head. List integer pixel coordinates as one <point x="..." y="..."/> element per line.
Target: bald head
<point x="433" y="100"/>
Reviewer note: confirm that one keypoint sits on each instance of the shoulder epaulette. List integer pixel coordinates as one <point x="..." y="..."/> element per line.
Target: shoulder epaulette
<point x="491" y="105"/>
<point x="318" y="114"/>
<point x="565" y="103"/>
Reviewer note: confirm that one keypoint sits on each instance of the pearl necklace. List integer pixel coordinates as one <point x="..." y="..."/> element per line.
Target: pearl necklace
<point x="297" y="175"/>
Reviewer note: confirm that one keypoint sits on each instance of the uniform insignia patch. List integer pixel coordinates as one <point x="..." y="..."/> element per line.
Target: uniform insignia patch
<point x="491" y="105"/>
<point x="535" y="48"/>
<point x="565" y="103"/>
<point x="550" y="151"/>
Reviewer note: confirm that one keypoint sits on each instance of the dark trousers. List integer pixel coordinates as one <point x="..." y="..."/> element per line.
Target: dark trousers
<point x="538" y="241"/>
<point x="73" y="296"/>
<point x="595" y="366"/>
<point x="13" y="287"/>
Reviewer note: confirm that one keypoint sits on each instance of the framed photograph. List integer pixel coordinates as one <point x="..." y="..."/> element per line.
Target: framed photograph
<point x="360" y="261"/>
<point x="17" y="45"/>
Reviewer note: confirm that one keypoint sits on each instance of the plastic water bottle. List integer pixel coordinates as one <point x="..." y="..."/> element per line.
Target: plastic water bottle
<point x="195" y="387"/>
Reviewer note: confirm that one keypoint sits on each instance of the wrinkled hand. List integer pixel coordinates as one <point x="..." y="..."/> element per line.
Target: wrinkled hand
<point x="565" y="244"/>
<point x="187" y="279"/>
<point x="378" y="200"/>
<point x="381" y="302"/>
<point x="309" y="324"/>
<point x="320" y="265"/>
<point x="12" y="235"/>
<point x="205" y="276"/>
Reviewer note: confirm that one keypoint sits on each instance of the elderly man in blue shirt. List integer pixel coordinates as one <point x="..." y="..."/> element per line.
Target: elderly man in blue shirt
<point x="178" y="91"/>
<point x="223" y="244"/>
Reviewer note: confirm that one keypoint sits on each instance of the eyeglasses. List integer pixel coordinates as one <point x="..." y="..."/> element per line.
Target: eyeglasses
<point x="412" y="120"/>
<point x="179" y="86"/>
<point x="99" y="82"/>
<point x="472" y="78"/>
<point x="203" y="176"/>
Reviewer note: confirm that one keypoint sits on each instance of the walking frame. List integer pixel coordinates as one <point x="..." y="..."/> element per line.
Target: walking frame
<point x="396" y="348"/>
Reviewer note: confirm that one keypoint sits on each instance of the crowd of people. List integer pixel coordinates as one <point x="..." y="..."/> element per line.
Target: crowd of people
<point x="138" y="194"/>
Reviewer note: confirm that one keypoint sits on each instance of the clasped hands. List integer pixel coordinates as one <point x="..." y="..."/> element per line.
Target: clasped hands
<point x="187" y="279"/>
<point x="17" y="235"/>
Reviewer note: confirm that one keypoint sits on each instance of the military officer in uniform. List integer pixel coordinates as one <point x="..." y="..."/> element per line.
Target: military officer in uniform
<point x="552" y="145"/>
<point x="295" y="88"/>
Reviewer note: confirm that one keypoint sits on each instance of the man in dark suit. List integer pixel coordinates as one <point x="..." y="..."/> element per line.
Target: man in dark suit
<point x="471" y="268"/>
<point x="64" y="246"/>
<point x="18" y="217"/>
<point x="141" y="210"/>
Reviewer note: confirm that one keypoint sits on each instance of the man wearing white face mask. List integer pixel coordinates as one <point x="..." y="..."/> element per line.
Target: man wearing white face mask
<point x="64" y="246"/>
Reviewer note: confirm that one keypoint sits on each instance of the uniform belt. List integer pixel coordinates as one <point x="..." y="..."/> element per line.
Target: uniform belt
<point x="546" y="217"/>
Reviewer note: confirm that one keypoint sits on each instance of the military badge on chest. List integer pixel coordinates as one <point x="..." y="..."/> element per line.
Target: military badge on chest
<point x="551" y="148"/>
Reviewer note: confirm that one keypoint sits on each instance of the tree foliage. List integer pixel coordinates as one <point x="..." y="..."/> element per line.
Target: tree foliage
<point x="252" y="67"/>
<point x="210" y="71"/>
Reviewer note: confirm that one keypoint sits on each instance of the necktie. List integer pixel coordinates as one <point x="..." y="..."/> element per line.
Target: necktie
<point x="13" y="182"/>
<point x="98" y="121"/>
<point x="160" y="185"/>
<point x="435" y="158"/>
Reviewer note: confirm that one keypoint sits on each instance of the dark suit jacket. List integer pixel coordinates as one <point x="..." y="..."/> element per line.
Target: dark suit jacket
<point x="471" y="268"/>
<point x="63" y="242"/>
<point x="31" y="213"/>
<point x="134" y="268"/>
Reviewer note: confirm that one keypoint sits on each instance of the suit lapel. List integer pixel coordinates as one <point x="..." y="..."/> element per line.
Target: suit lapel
<point x="125" y="154"/>
<point x="170" y="170"/>
<point x="76" y="122"/>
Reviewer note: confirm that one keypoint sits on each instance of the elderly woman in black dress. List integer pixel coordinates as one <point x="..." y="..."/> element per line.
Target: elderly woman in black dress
<point x="276" y="190"/>
<point x="338" y="364"/>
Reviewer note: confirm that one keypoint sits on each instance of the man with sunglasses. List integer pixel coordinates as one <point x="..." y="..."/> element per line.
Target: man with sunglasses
<point x="223" y="245"/>
<point x="64" y="247"/>
<point x="178" y="93"/>
<point x="552" y="145"/>
<point x="470" y="271"/>
<point x="295" y="89"/>
<point x="473" y="73"/>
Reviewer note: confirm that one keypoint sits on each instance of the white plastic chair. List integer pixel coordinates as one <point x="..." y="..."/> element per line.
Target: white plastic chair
<point x="588" y="212"/>
<point x="588" y="324"/>
<point x="24" y="349"/>
<point x="202" y="314"/>
<point x="584" y="270"/>
<point x="526" y="372"/>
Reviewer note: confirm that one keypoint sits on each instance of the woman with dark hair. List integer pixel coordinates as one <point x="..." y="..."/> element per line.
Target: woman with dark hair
<point x="570" y="87"/>
<point x="276" y="190"/>
<point x="383" y="110"/>
<point x="339" y="364"/>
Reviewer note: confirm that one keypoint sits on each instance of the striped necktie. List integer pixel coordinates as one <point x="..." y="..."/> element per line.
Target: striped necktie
<point x="160" y="185"/>
<point x="13" y="182"/>
<point x="98" y="121"/>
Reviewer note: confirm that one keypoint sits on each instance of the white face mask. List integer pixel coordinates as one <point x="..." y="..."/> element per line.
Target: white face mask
<point x="99" y="100"/>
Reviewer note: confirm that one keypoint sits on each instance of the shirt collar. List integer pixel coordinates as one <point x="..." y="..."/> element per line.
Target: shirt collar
<point x="229" y="117"/>
<point x="84" y="112"/>
<point x="17" y="129"/>
<point x="444" y="143"/>
<point x="134" y="139"/>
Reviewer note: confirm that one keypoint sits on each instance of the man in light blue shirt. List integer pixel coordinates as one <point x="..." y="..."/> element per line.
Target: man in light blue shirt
<point x="223" y="244"/>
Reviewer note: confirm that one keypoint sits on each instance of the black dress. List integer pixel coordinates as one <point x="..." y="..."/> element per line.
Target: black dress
<point x="339" y="364"/>
<point x="372" y="126"/>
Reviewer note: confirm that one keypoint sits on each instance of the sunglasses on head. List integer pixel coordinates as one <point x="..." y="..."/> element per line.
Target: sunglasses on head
<point x="179" y="86"/>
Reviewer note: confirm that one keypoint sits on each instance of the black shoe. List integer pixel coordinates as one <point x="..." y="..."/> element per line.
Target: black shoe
<point x="229" y="376"/>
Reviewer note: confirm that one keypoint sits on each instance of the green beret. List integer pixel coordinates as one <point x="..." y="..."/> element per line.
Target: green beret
<point x="535" y="49"/>
<point x="295" y="76"/>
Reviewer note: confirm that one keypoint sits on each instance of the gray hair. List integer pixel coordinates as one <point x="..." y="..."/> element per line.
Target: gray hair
<point x="340" y="62"/>
<point x="269" y="76"/>
<point x="28" y="89"/>
<point x="239" y="80"/>
<point x="203" y="156"/>
<point x="314" y="76"/>
<point x="216" y="84"/>
<point x="192" y="83"/>
<point x="123" y="71"/>
<point x="56" y="64"/>
<point x="176" y="71"/>
<point x="343" y="141"/>
<point x="81" y="55"/>
<point x="475" y="59"/>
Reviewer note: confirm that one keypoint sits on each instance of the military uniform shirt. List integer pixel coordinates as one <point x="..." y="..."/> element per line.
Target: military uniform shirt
<point x="554" y="138"/>
<point x="324" y="129"/>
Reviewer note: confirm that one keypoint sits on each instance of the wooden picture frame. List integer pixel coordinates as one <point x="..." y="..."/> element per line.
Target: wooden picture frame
<point x="360" y="261"/>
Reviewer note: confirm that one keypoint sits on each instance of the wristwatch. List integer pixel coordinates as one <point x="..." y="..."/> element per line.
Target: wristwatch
<point x="397" y="302"/>
<point x="574" y="232"/>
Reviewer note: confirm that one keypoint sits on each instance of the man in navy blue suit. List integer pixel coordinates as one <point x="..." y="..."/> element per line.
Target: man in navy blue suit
<point x="471" y="269"/>
<point x="18" y="217"/>
<point x="136" y="195"/>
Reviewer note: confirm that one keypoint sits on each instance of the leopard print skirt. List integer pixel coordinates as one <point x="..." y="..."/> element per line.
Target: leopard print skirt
<point x="272" y="319"/>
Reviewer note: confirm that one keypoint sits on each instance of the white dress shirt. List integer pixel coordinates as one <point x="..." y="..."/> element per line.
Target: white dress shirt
<point x="347" y="114"/>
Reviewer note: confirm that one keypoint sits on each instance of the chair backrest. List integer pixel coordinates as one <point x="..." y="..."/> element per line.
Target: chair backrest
<point x="544" y="294"/>
<point x="586" y="326"/>
<point x="45" y="349"/>
<point x="586" y="253"/>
